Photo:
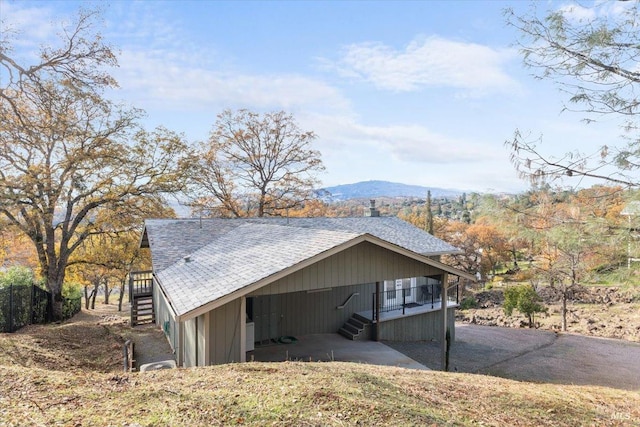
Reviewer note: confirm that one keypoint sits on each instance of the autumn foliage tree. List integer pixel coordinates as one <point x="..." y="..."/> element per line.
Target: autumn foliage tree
<point x="67" y="152"/>
<point x="255" y="165"/>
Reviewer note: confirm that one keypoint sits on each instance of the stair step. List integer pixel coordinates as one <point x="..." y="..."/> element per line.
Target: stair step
<point x="361" y="318"/>
<point x="142" y="311"/>
<point x="139" y="303"/>
<point x="346" y="334"/>
<point x="349" y="327"/>
<point x="356" y="323"/>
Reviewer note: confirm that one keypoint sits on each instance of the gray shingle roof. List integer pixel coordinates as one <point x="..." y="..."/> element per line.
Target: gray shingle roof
<point x="229" y="254"/>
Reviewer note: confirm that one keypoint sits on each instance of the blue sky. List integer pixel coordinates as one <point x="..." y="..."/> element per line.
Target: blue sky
<point x="416" y="92"/>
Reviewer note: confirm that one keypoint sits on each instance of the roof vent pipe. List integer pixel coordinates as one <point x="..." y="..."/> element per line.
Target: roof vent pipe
<point x="187" y="259"/>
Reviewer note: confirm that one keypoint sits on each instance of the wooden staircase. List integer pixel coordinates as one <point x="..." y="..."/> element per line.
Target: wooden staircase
<point x="142" y="312"/>
<point x="356" y="328"/>
<point x="141" y="297"/>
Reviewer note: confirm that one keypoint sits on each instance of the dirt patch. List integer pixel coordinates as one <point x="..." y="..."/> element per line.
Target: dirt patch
<point x="606" y="312"/>
<point x="90" y="341"/>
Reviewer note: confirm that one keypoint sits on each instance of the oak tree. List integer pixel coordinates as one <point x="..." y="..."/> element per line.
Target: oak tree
<point x="256" y="165"/>
<point x="67" y="152"/>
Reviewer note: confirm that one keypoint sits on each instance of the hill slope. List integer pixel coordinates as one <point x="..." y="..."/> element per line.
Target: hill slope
<point x="288" y="393"/>
<point x="372" y="189"/>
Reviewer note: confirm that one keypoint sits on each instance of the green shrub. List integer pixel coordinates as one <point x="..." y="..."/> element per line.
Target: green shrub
<point x="17" y="276"/>
<point x="468" y="302"/>
<point x="525" y="299"/>
<point x="72" y="290"/>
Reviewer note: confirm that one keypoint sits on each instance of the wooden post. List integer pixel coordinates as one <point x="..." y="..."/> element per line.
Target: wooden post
<point x="207" y="338"/>
<point x="377" y="311"/>
<point x="11" y="307"/>
<point x="443" y="307"/>
<point x="180" y="350"/>
<point x="243" y="329"/>
<point x="131" y="301"/>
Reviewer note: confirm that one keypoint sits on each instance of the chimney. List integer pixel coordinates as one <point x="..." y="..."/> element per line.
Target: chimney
<point x="373" y="212"/>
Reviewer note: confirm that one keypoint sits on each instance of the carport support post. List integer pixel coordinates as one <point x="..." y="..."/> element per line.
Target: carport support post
<point x="243" y="329"/>
<point x="443" y="306"/>
<point x="377" y="308"/>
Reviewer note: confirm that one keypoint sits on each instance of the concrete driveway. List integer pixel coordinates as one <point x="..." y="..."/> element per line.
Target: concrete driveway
<point x="333" y="347"/>
<point x="535" y="355"/>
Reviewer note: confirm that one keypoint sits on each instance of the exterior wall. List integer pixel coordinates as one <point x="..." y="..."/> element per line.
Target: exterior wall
<point x="200" y="340"/>
<point x="420" y="327"/>
<point x="302" y="313"/>
<point x="363" y="263"/>
<point x="163" y="317"/>
<point x="190" y="343"/>
<point x="225" y="333"/>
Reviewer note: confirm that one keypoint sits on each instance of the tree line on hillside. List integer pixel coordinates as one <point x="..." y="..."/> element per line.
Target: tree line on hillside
<point x="78" y="171"/>
<point x="558" y="238"/>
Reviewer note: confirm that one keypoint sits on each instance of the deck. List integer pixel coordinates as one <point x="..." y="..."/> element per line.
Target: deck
<point x="409" y="310"/>
<point x="140" y="284"/>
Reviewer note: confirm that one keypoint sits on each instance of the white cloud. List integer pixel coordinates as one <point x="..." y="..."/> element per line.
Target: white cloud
<point x="577" y="13"/>
<point x="432" y="61"/>
<point x="26" y="27"/>
<point x="162" y="77"/>
<point x="405" y="143"/>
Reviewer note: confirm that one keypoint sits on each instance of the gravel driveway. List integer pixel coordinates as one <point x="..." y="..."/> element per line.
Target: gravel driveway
<point x="535" y="355"/>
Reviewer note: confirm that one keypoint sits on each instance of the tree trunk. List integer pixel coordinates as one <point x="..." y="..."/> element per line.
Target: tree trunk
<point x="54" y="285"/>
<point x="564" y="312"/>
<point x="121" y="297"/>
<point x="94" y="294"/>
<point x="86" y="297"/>
<point x="107" y="291"/>
<point x="56" y="306"/>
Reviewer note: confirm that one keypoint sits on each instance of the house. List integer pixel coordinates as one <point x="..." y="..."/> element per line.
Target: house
<point x="221" y="286"/>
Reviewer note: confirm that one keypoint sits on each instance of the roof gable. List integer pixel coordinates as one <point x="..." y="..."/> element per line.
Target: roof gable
<point x="244" y="255"/>
<point x="171" y="240"/>
<point x="198" y="262"/>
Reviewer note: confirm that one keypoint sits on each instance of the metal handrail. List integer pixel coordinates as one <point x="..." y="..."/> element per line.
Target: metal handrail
<point x="340" y="307"/>
<point x="421" y="295"/>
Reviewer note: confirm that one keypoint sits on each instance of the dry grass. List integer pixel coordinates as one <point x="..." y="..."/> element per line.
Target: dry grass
<point x="69" y="375"/>
<point x="298" y="393"/>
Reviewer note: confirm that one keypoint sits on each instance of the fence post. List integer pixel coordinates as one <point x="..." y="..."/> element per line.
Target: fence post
<point x="11" y="308"/>
<point x="49" y="306"/>
<point x="33" y="295"/>
<point x="404" y="300"/>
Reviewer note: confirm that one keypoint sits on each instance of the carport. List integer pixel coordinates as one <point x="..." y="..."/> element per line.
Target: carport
<point x="331" y="347"/>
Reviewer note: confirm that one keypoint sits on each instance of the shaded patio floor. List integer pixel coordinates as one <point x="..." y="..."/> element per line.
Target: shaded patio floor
<point x="333" y="347"/>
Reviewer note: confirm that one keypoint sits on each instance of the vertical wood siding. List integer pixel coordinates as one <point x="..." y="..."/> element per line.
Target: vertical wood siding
<point x="190" y="343"/>
<point x="224" y="333"/>
<point x="421" y="327"/>
<point x="363" y="263"/>
<point x="163" y="314"/>
<point x="200" y="338"/>
<point x="302" y="313"/>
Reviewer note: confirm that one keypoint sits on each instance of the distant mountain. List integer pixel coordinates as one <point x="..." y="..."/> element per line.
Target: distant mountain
<point x="372" y="189"/>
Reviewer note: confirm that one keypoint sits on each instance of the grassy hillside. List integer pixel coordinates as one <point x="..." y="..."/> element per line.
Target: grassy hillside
<point x="82" y="386"/>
